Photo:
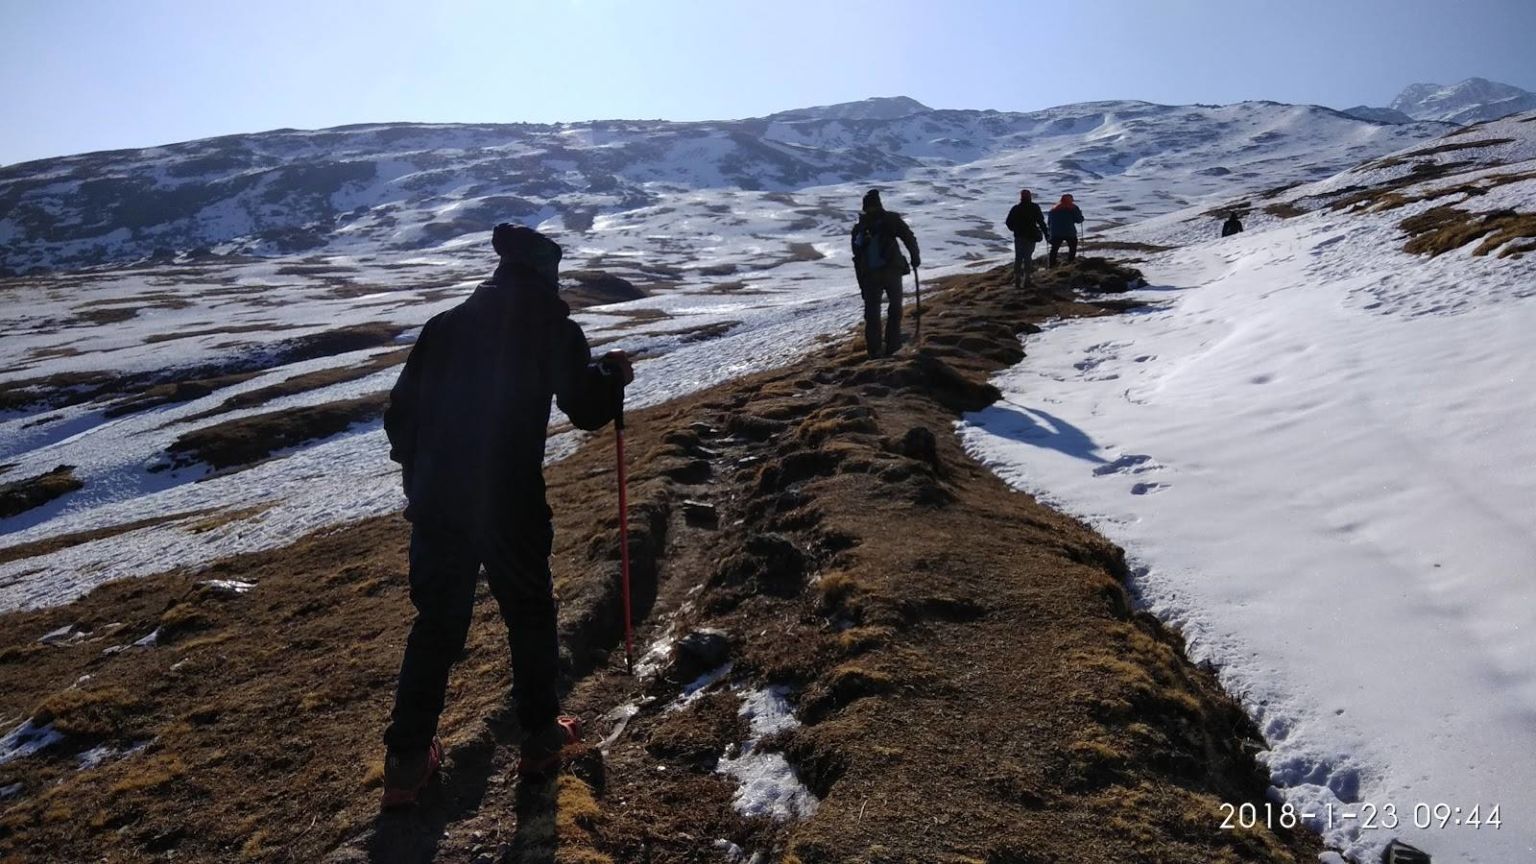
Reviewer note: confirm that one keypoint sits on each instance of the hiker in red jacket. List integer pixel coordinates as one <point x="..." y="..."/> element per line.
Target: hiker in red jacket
<point x="1063" y="220"/>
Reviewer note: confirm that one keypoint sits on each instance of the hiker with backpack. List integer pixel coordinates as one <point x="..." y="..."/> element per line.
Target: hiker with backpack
<point x="1027" y="224"/>
<point x="467" y="421"/>
<point x="1063" y="221"/>
<point x="1232" y="226"/>
<point x="878" y="265"/>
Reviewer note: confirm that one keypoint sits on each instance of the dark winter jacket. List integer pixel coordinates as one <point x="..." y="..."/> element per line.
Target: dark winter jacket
<point x="1063" y="220"/>
<point x="469" y="414"/>
<point x="1026" y="220"/>
<point x="875" y="252"/>
<point x="1231" y="226"/>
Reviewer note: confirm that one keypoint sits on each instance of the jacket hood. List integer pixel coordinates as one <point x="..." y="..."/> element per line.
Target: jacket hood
<point x="521" y="292"/>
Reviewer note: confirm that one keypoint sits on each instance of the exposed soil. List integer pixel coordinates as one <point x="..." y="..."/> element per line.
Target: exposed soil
<point x="972" y="683"/>
<point x="173" y="392"/>
<point x="75" y="538"/>
<point x="247" y="440"/>
<point x="19" y="496"/>
<point x="1284" y="210"/>
<point x="1128" y="246"/>
<point x="305" y="382"/>
<point x="140" y="391"/>
<point x="584" y="288"/>
<point x="1442" y="229"/>
<point x="228" y="329"/>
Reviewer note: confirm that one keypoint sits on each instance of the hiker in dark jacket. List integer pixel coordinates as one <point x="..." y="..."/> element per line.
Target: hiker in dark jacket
<point x="1028" y="226"/>
<point x="1063" y="222"/>
<point x="879" y="266"/>
<point x="1231" y="226"/>
<point x="467" y="421"/>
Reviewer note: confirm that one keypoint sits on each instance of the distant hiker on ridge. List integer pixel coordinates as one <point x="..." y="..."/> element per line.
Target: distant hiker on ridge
<point x="1232" y="225"/>
<point x="1063" y="221"/>
<point x="879" y="266"/>
<point x="467" y="421"/>
<point x="1028" y="226"/>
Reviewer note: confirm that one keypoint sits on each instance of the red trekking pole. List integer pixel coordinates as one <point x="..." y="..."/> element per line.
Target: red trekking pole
<point x="618" y="437"/>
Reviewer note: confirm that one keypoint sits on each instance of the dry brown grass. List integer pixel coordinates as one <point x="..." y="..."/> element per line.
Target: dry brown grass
<point x="1284" y="210"/>
<point x="19" y="496"/>
<point x="1128" y="246"/>
<point x="141" y="391"/>
<point x="595" y="288"/>
<point x="64" y="541"/>
<point x="106" y="315"/>
<point x="304" y="383"/>
<point x="1371" y="197"/>
<point x="229" y="329"/>
<point x="985" y="234"/>
<point x="220" y="518"/>
<point x="174" y="392"/>
<point x="247" y="440"/>
<point x="804" y="252"/>
<point x="1449" y="147"/>
<point x="94" y="713"/>
<point x="1444" y="229"/>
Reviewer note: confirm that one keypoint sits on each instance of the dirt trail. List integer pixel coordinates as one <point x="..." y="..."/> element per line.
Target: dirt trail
<point x="970" y="681"/>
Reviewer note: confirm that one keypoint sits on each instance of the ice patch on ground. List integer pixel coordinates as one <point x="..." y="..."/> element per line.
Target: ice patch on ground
<point x="66" y="635"/>
<point x="736" y="855"/>
<point x="697" y="687"/>
<point x="103" y="753"/>
<point x="769" y="785"/>
<point x="27" y="739"/>
<point x="228" y="586"/>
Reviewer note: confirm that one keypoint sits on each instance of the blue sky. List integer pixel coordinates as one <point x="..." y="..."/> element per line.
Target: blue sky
<point x="86" y="75"/>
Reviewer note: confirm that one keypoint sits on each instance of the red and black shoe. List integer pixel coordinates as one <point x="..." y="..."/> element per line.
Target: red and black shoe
<point x="407" y="773"/>
<point x="544" y="751"/>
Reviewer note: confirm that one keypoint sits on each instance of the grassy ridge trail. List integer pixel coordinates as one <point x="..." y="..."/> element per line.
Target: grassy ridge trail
<point x="970" y="681"/>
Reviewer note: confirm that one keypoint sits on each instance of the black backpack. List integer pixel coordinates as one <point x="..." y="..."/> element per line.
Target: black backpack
<point x="874" y="246"/>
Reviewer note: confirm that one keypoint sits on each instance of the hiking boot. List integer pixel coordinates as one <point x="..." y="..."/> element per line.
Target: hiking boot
<point x="543" y="751"/>
<point x="406" y="773"/>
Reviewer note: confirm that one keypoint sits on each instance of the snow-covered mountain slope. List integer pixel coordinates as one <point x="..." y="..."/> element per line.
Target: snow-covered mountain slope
<point x="740" y="278"/>
<point x="1471" y="101"/>
<point x="1307" y="422"/>
<point x="1315" y="445"/>
<point x="877" y="108"/>
<point x="1476" y="177"/>
<point x="370" y="190"/>
<point x="1378" y="115"/>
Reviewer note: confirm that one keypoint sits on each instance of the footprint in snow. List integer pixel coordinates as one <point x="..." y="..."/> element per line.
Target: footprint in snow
<point x="1131" y="463"/>
<point x="1148" y="488"/>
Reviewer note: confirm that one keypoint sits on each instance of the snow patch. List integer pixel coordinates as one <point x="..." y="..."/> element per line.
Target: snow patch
<point x="99" y="755"/>
<point x="1337" y="434"/>
<point x="27" y="739"/>
<point x="769" y="785"/>
<point x="228" y="586"/>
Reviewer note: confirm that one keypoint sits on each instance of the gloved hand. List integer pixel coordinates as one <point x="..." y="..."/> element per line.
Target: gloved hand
<point x="616" y="362"/>
<point x="917" y="260"/>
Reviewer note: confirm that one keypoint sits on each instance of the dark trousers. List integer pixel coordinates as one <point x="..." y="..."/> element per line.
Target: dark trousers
<point x="875" y="287"/>
<point x="1071" y="241"/>
<point x="444" y="572"/>
<point x="1023" y="258"/>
